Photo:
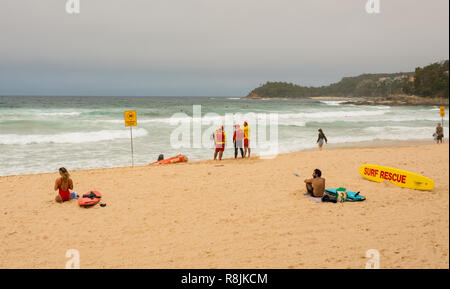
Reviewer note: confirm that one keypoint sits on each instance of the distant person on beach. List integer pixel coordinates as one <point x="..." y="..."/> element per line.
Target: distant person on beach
<point x="219" y="142"/>
<point x="439" y="134"/>
<point x="322" y="138"/>
<point x="246" y="139"/>
<point x="238" y="139"/>
<point x="64" y="184"/>
<point x="316" y="185"/>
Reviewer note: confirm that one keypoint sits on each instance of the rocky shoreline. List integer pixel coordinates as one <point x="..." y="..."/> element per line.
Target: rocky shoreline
<point x="398" y="100"/>
<point x="391" y="100"/>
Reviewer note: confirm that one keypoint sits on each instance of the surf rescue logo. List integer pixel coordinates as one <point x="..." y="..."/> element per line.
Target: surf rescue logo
<point x="385" y="175"/>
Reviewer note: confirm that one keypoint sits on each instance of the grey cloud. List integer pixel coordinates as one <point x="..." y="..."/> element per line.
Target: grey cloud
<point x="209" y="47"/>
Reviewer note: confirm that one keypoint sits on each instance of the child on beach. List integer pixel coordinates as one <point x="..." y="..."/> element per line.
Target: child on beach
<point x="64" y="184"/>
<point x="322" y="138"/>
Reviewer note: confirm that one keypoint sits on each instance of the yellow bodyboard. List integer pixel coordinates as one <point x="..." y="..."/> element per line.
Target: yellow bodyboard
<point x="398" y="177"/>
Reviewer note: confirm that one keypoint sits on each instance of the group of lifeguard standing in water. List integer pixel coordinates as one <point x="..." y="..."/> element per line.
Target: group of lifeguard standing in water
<point x="241" y="140"/>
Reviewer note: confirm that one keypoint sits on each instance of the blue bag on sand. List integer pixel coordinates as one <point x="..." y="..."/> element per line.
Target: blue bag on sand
<point x="351" y="196"/>
<point x="73" y="195"/>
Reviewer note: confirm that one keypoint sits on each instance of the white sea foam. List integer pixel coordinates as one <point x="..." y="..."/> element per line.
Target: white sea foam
<point x="403" y="118"/>
<point x="70" y="138"/>
<point x="37" y="115"/>
<point x="406" y="129"/>
<point x="400" y="132"/>
<point x="333" y="115"/>
<point x="292" y="122"/>
<point x="73" y="113"/>
<point x="302" y="116"/>
<point x="299" y="119"/>
<point x="333" y="102"/>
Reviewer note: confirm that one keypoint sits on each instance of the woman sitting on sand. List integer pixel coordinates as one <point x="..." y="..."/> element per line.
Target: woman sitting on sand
<point x="322" y="138"/>
<point x="64" y="184"/>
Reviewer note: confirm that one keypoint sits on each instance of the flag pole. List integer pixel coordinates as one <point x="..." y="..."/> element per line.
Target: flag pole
<point x="132" y="153"/>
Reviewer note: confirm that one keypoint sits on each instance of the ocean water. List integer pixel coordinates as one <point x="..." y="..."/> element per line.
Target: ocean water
<point x="41" y="134"/>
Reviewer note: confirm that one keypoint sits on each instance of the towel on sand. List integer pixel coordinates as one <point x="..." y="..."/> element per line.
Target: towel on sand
<point x="315" y="199"/>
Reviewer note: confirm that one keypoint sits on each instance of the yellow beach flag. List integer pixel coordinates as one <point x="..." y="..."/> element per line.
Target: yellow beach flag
<point x="130" y="121"/>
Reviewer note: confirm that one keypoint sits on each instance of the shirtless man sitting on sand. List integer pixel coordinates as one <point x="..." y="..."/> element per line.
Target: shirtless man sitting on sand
<point x="316" y="185"/>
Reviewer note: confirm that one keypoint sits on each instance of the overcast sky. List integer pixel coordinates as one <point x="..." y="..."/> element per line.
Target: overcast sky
<point x="209" y="47"/>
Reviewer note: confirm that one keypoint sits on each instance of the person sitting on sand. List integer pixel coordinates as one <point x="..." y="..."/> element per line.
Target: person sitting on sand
<point x="64" y="184"/>
<point x="439" y="133"/>
<point x="322" y="138"/>
<point x="316" y="185"/>
<point x="219" y="142"/>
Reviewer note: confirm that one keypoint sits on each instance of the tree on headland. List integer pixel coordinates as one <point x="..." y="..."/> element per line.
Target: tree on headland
<point x="432" y="80"/>
<point x="429" y="81"/>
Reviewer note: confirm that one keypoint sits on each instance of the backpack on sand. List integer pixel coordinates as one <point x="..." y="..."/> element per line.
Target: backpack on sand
<point x="332" y="195"/>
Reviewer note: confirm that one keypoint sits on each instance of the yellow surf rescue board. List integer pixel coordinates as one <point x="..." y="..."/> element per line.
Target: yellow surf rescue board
<point x="398" y="177"/>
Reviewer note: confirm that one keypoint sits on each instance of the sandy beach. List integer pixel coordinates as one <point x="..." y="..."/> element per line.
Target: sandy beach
<point x="233" y="214"/>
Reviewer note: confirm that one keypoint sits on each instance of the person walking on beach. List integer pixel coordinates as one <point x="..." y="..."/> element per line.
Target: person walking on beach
<point x="439" y="133"/>
<point x="219" y="142"/>
<point x="64" y="184"/>
<point x="246" y="139"/>
<point x="322" y="138"/>
<point x="238" y="138"/>
<point x="316" y="185"/>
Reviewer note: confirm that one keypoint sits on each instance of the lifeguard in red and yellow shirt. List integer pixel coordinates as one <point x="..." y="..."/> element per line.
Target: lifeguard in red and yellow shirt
<point x="220" y="139"/>
<point x="238" y="139"/>
<point x="246" y="139"/>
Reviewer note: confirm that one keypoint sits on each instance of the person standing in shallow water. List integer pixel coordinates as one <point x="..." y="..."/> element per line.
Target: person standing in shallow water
<point x="246" y="139"/>
<point x="64" y="184"/>
<point x="220" y="139"/>
<point x="322" y="139"/>
<point x="238" y="138"/>
<point x="439" y="133"/>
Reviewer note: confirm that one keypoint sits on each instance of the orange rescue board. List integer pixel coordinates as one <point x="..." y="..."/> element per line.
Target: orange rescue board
<point x="89" y="199"/>
<point x="172" y="160"/>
